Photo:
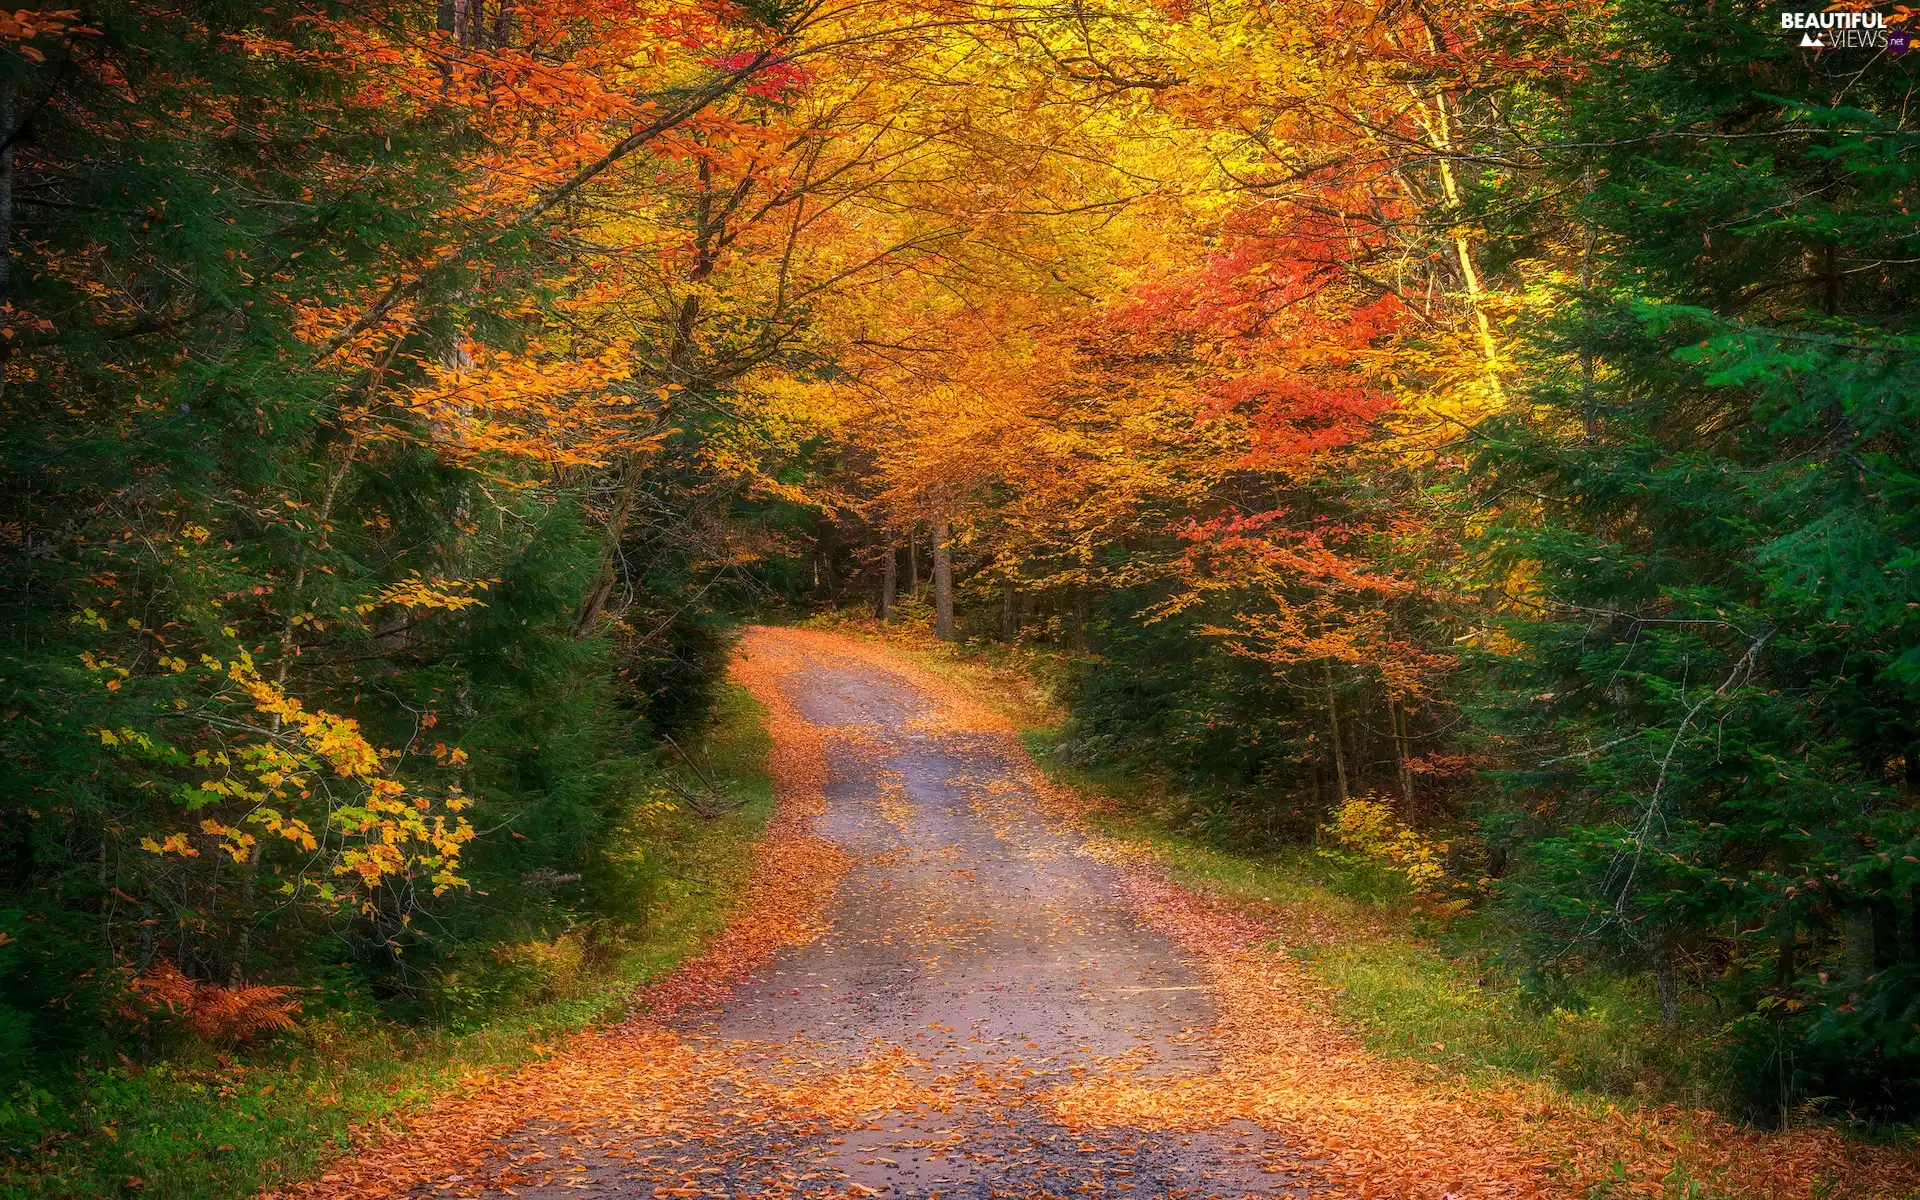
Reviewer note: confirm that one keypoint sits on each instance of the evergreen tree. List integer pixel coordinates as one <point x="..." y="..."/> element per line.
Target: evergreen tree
<point x="1709" y="515"/>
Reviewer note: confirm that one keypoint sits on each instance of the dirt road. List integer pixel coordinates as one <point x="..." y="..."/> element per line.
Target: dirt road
<point x="974" y="959"/>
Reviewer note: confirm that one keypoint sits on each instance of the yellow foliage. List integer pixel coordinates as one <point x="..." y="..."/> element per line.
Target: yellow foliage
<point x="415" y="591"/>
<point x="313" y="779"/>
<point x="1366" y="825"/>
<point x="489" y="406"/>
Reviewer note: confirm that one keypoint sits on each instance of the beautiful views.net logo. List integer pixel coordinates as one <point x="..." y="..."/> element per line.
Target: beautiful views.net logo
<point x="1853" y="25"/>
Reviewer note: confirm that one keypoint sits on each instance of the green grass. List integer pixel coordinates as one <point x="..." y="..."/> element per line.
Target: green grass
<point x="1409" y="999"/>
<point x="188" y="1129"/>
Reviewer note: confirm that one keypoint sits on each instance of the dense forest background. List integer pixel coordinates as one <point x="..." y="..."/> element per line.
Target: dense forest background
<point x="1487" y="429"/>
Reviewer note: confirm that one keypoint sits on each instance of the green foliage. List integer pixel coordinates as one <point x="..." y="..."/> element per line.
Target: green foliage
<point x="1709" y="725"/>
<point x="1160" y="698"/>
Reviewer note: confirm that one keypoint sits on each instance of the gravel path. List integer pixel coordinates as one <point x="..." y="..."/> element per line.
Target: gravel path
<point x="976" y="959"/>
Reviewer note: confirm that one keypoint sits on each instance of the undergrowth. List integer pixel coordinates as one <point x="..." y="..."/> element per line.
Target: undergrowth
<point x="229" y="1124"/>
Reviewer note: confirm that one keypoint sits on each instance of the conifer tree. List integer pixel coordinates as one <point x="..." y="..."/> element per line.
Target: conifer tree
<point x="1709" y="523"/>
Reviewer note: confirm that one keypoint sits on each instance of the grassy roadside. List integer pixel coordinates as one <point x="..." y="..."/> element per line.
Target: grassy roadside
<point x="1411" y="984"/>
<point x="230" y="1126"/>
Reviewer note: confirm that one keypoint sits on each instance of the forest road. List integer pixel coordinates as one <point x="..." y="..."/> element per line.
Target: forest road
<point x="974" y="960"/>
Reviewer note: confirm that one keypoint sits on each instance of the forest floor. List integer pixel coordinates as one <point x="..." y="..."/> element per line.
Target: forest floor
<point x="950" y="978"/>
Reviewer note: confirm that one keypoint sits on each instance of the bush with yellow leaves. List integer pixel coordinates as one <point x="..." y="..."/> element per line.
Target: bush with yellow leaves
<point x="1366" y="825"/>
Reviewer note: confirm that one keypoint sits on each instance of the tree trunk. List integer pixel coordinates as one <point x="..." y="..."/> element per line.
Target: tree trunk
<point x="1663" y="984"/>
<point x="596" y="599"/>
<point x="1856" y="956"/>
<point x="503" y="25"/>
<point x="889" y="582"/>
<point x="1783" y="968"/>
<point x="1397" y="722"/>
<point x="145" y="959"/>
<point x="444" y="23"/>
<point x="6" y="215"/>
<point x="913" y="566"/>
<point x="1886" y="930"/>
<point x="826" y="584"/>
<point x="1913" y="921"/>
<point x="1436" y="117"/>
<point x="942" y="582"/>
<point x="1339" y="754"/>
<point x="1009" y="613"/>
<point x="1831" y="270"/>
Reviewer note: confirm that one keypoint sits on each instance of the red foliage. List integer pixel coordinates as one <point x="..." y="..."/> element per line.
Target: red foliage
<point x="773" y="80"/>
<point x="1296" y="416"/>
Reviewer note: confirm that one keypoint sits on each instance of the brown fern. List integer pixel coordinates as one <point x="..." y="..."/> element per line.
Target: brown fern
<point x="214" y="1013"/>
